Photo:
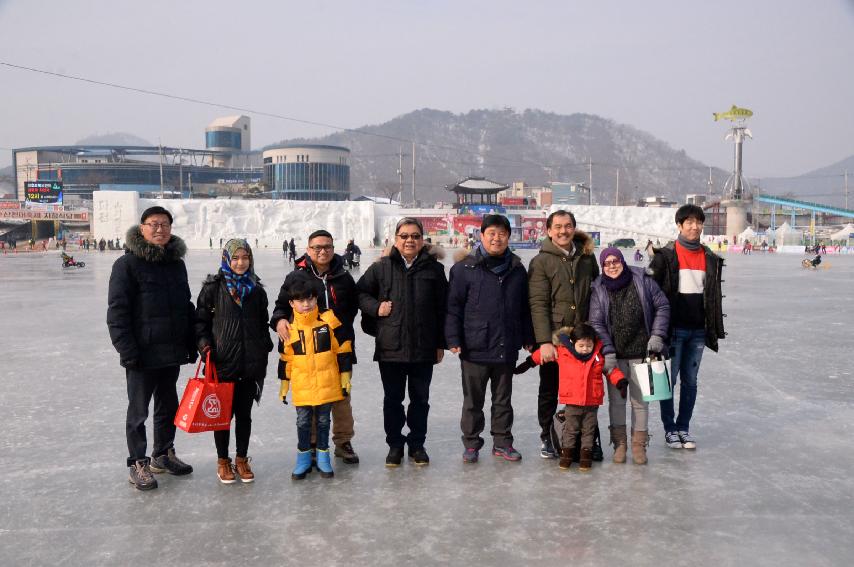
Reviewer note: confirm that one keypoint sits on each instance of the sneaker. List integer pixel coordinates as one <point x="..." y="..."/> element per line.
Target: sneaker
<point x="507" y="453"/>
<point x="395" y="456"/>
<point x="225" y="471"/>
<point x="671" y="438"/>
<point x="140" y="475"/>
<point x="547" y="451"/>
<point x="171" y="464"/>
<point x="244" y="471"/>
<point x="688" y="441"/>
<point x="419" y="456"/>
<point x="345" y="452"/>
<point x="470" y="455"/>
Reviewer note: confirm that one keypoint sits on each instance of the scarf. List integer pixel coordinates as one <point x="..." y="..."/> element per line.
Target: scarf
<point x="498" y="265"/>
<point x="692" y="245"/>
<point x="625" y="277"/>
<point x="570" y="346"/>
<point x="238" y="285"/>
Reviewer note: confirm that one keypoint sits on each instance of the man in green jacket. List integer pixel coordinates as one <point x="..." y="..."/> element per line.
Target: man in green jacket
<point x="559" y="279"/>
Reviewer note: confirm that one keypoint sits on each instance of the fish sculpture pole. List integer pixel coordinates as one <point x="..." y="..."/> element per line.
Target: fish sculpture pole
<point x="734" y="189"/>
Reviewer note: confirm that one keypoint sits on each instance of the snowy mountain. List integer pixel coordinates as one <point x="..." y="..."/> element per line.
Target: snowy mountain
<point x="506" y="146"/>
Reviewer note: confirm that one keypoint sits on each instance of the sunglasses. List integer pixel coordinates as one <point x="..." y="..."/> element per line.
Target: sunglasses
<point x="414" y="236"/>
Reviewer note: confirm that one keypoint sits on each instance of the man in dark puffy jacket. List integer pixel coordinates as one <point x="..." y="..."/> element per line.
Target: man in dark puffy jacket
<point x="336" y="290"/>
<point x="406" y="293"/>
<point x="150" y="319"/>
<point x="488" y="321"/>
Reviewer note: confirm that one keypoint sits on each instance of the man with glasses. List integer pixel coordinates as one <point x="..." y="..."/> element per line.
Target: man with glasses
<point x="150" y="319"/>
<point x="559" y="280"/>
<point x="336" y="290"/>
<point x="405" y="292"/>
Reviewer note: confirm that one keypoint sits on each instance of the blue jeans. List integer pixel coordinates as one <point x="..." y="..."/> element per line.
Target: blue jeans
<point x="304" y="418"/>
<point x="686" y="352"/>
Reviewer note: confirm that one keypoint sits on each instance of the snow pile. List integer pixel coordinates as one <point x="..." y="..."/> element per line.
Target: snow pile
<point x="640" y="223"/>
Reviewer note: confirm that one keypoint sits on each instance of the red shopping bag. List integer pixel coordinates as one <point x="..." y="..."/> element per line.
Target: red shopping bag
<point x="206" y="403"/>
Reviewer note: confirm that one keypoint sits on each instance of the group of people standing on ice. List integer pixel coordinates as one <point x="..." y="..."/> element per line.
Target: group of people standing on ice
<point x="580" y="319"/>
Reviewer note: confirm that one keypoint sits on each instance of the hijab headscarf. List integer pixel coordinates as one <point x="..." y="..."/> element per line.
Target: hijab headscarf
<point x="625" y="277"/>
<point x="238" y="285"/>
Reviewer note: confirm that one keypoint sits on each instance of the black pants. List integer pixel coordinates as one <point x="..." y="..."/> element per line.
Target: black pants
<point x="241" y="411"/>
<point x="395" y="376"/>
<point x="142" y="385"/>
<point x="547" y="397"/>
<point x="472" y="422"/>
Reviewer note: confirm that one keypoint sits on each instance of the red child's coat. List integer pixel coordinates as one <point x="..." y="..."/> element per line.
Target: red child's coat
<point x="580" y="382"/>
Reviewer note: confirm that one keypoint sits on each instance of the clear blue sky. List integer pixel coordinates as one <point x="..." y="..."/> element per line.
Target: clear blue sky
<point x="663" y="67"/>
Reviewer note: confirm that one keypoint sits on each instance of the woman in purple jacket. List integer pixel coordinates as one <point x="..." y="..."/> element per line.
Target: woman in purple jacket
<point x="631" y="315"/>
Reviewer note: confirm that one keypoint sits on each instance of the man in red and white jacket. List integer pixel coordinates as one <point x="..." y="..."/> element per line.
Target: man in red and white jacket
<point x="689" y="273"/>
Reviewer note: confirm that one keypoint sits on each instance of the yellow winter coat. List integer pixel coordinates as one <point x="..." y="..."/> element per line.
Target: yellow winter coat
<point x="316" y="355"/>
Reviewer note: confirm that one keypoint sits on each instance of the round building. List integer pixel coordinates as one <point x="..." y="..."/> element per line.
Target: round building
<point x="308" y="172"/>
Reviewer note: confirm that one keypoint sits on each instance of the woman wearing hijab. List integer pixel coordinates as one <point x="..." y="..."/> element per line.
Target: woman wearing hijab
<point x="231" y="324"/>
<point x="631" y="315"/>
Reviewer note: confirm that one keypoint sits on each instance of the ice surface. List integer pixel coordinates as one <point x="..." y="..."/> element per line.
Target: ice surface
<point x="770" y="484"/>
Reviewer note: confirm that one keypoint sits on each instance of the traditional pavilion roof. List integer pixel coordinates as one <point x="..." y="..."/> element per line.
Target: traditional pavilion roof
<point x="477" y="185"/>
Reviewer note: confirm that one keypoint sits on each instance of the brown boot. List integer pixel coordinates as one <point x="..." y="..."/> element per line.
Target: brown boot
<point x="586" y="460"/>
<point x="565" y="458"/>
<point x="639" y="443"/>
<point x="619" y="441"/>
<point x="224" y="471"/>
<point x="243" y="471"/>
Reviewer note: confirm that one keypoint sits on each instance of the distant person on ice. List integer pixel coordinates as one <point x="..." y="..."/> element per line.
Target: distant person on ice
<point x="231" y="324"/>
<point x="150" y="319"/>
<point x="689" y="274"/>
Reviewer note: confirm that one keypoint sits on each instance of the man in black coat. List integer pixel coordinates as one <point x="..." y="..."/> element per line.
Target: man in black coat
<point x="405" y="293"/>
<point x="336" y="290"/>
<point x="488" y="321"/>
<point x="150" y="319"/>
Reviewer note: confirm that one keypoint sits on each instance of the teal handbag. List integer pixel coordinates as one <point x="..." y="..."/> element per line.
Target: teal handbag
<point x="654" y="379"/>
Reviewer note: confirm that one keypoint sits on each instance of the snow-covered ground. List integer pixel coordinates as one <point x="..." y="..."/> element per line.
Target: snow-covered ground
<point x="770" y="483"/>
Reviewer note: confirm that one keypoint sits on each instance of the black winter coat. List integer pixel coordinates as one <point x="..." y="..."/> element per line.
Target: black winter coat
<point x="149" y="307"/>
<point x="488" y="316"/>
<point x="415" y="330"/>
<point x="238" y="335"/>
<point x="336" y="291"/>
<point x="664" y="269"/>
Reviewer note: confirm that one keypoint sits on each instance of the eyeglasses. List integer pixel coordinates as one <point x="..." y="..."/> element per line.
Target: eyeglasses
<point x="611" y="263"/>
<point x="158" y="225"/>
<point x="414" y="236"/>
<point x="322" y="248"/>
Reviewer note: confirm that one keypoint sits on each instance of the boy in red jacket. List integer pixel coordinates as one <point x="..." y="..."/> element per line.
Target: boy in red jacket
<point x="580" y="387"/>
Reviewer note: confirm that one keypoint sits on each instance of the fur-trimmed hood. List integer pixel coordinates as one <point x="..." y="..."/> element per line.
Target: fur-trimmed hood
<point x="438" y="252"/>
<point x="137" y="245"/>
<point x="556" y="335"/>
<point x="580" y="239"/>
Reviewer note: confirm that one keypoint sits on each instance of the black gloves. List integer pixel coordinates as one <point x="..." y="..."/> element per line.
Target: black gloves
<point x="623" y="386"/>
<point x="130" y="364"/>
<point x="525" y="366"/>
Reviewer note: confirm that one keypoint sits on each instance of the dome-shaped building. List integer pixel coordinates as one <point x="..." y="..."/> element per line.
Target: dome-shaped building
<point x="308" y="172"/>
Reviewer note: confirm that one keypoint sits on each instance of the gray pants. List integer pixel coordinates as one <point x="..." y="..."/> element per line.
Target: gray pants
<point x="617" y="405"/>
<point x="472" y="422"/>
<point x="581" y="418"/>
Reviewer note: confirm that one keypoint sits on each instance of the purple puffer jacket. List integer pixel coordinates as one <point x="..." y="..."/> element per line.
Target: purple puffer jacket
<point x="656" y="308"/>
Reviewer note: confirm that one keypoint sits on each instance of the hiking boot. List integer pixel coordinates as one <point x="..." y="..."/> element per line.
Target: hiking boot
<point x="169" y="463"/>
<point x="639" y="442"/>
<point x="687" y="440"/>
<point x="140" y="475"/>
<point x="547" y="450"/>
<point x="586" y="460"/>
<point x="324" y="463"/>
<point x="394" y="457"/>
<point x="303" y="466"/>
<point x="419" y="456"/>
<point x="507" y="453"/>
<point x="224" y="471"/>
<point x="470" y="455"/>
<point x="565" y="459"/>
<point x="671" y="438"/>
<point x="346" y="453"/>
<point x="243" y="470"/>
<point x="598" y="454"/>
<point x="619" y="441"/>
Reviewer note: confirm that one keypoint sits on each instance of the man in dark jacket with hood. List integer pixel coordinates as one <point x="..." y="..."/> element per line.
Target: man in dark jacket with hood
<point x="336" y="290"/>
<point x="488" y="321"/>
<point x="559" y="280"/>
<point x="150" y="319"/>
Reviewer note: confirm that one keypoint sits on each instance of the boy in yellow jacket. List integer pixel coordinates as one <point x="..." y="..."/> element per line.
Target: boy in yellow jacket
<point x="316" y="367"/>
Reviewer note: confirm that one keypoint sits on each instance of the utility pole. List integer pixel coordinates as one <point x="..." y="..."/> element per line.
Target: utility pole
<point x="400" y="174"/>
<point x="617" y="198"/>
<point x="590" y="181"/>
<point x="710" y="184"/>
<point x="846" y="188"/>
<point x="160" y="151"/>
<point x="413" y="174"/>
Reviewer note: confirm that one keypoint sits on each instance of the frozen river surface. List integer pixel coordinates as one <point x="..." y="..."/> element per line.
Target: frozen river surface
<point x="771" y="483"/>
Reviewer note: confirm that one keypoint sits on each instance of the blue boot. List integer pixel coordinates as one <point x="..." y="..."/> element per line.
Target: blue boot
<point x="303" y="466"/>
<point x="323" y="463"/>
